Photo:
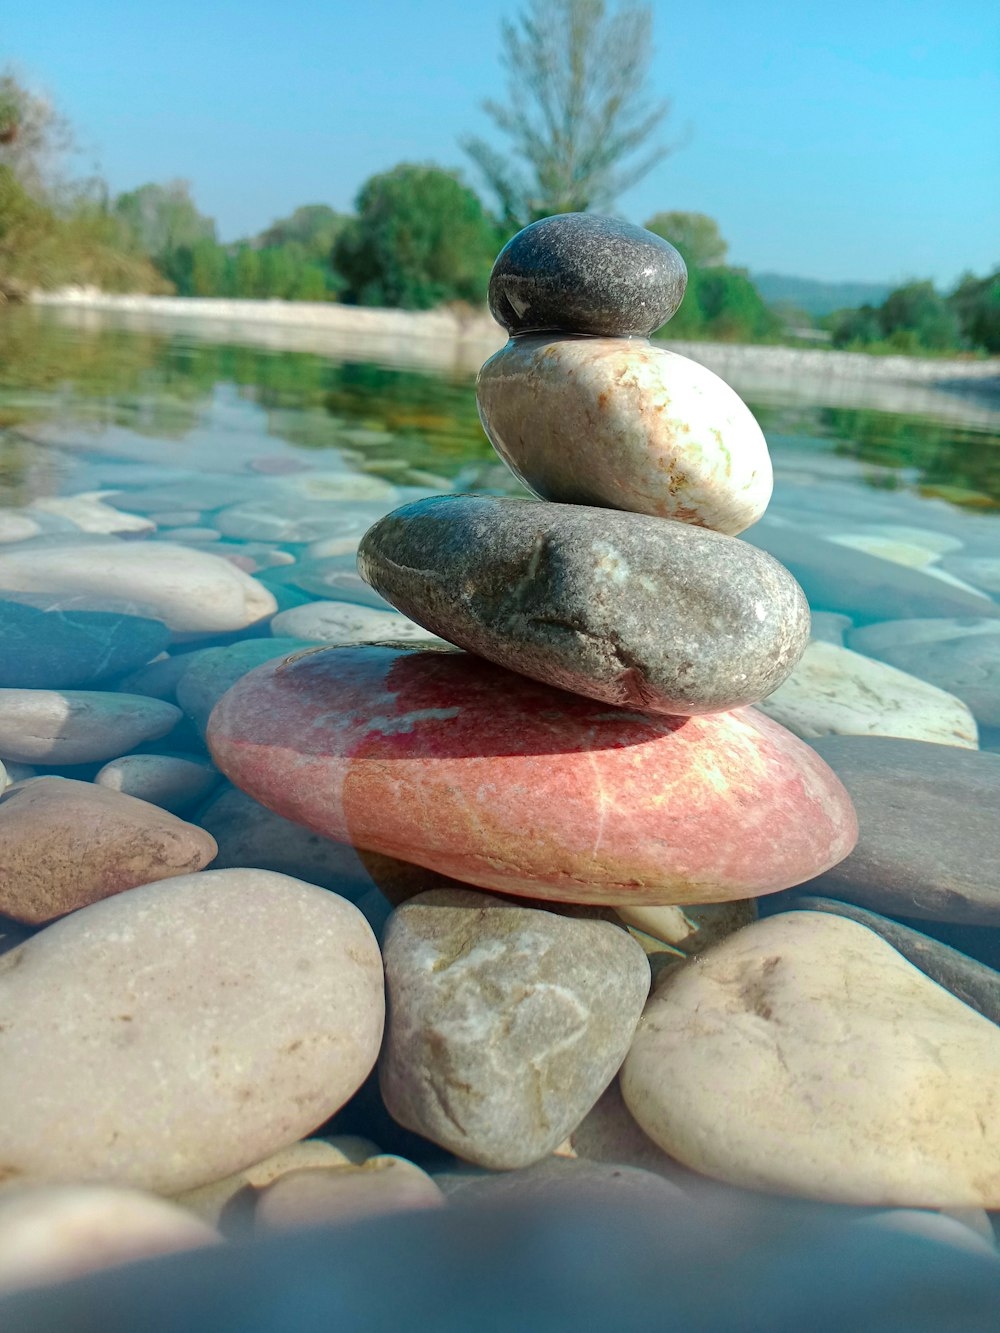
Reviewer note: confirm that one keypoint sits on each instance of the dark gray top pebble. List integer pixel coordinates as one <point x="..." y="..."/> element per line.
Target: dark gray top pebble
<point x="583" y="273"/>
<point x="625" y="608"/>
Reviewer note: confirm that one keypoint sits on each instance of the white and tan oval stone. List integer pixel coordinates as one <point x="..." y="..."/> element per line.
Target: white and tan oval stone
<point x="79" y="726"/>
<point x="181" y="1031"/>
<point x="624" y="424"/>
<point x="52" y="1233"/>
<point x="229" y="1203"/>
<point x="384" y="1184"/>
<point x="805" y="1055"/>
<point x="88" y="512"/>
<point x="193" y="592"/>
<point x="17" y="526"/>
<point x="834" y="691"/>
<point x="343" y="622"/>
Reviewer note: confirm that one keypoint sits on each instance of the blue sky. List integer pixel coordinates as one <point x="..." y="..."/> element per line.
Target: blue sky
<point x="859" y="139"/>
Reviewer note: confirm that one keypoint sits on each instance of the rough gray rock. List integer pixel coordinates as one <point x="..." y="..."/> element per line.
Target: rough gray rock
<point x="624" y="608"/>
<point x="505" y="1023"/>
<point x="583" y="273"/>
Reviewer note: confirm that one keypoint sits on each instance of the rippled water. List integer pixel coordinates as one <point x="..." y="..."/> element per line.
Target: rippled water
<point x="279" y="460"/>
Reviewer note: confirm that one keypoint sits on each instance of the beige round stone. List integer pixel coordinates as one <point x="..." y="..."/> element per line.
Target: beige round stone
<point x="88" y="512"/>
<point x="379" y="1185"/>
<point x="193" y="592"/>
<point x="805" y="1055"/>
<point x="624" y="424"/>
<point x="56" y="1232"/>
<point x="179" y="1032"/>
<point x="229" y="1203"/>
<point x="836" y="692"/>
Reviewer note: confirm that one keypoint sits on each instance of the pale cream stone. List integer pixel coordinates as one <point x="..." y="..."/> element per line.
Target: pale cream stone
<point x="899" y="551"/>
<point x="193" y="592"/>
<point x="379" y="1185"/>
<point x="17" y="526"/>
<point x="805" y="1055"/>
<point x="628" y="425"/>
<point x="173" y="782"/>
<point x="229" y="1204"/>
<point x="56" y="1232"/>
<point x="89" y="513"/>
<point x="343" y="622"/>
<point x="944" y="1228"/>
<point x="79" y="726"/>
<point x="834" y="691"/>
<point x="179" y="1032"/>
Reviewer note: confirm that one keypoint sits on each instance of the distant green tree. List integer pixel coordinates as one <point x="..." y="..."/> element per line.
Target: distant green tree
<point x="34" y="137"/>
<point x="421" y="238"/>
<point x="695" y="235"/>
<point x="576" y="114"/>
<point x="315" y="227"/>
<point x="917" y="316"/>
<point x="976" y="303"/>
<point x="163" y="218"/>
<point x="857" y="327"/>
<point x="209" y="268"/>
<point x="247" y="278"/>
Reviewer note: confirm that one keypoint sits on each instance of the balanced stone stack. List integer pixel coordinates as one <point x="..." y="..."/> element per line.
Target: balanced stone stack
<point x="620" y="763"/>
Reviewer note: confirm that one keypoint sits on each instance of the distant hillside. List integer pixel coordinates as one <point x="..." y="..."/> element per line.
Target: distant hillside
<point x="817" y="298"/>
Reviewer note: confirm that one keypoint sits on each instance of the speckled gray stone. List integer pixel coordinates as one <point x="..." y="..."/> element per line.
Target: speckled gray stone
<point x="506" y="1023"/>
<point x="972" y="982"/>
<point x="929" y="841"/>
<point x="624" y="608"/>
<point x="584" y="273"/>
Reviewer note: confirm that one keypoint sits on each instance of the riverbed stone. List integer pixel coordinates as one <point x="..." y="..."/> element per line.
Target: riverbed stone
<point x="55" y="645"/>
<point x="623" y="608"/>
<point x="583" y="1183"/>
<point x="972" y="982"/>
<point x="929" y="840"/>
<point x="249" y="835"/>
<point x="962" y="657"/>
<point x="860" y="585"/>
<point x="344" y="622"/>
<point x="480" y="991"/>
<point x="586" y="273"/>
<point x="173" y="782"/>
<point x="692" y="929"/>
<point x="66" y="727"/>
<point x="251" y="1002"/>
<point x="229" y="1203"/>
<point x="983" y="571"/>
<point x="443" y="759"/>
<point x="88" y="512"/>
<point x="215" y="670"/>
<point x="52" y="1233"/>
<point x="834" y="691"/>
<point x="64" y="844"/>
<point x="858" y="1079"/>
<point x="327" y="1195"/>
<point x="192" y="592"/>
<point x="831" y="626"/>
<point x="625" y="425"/>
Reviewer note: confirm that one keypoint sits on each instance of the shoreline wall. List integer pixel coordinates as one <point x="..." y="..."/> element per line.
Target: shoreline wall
<point x="452" y="342"/>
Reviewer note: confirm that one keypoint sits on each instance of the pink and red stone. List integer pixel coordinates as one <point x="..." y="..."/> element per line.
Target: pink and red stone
<point x="445" y="760"/>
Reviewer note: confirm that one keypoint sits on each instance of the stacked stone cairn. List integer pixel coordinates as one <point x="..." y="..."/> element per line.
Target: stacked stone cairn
<point x="590" y="759"/>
